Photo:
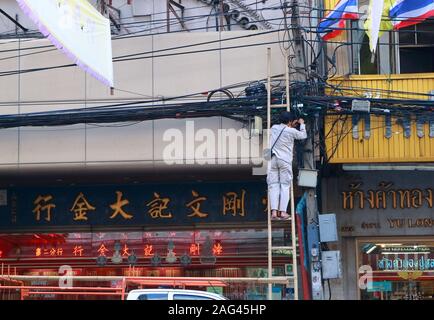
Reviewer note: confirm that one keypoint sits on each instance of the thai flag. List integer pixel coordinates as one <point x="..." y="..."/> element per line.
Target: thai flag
<point x="334" y="23"/>
<point x="405" y="13"/>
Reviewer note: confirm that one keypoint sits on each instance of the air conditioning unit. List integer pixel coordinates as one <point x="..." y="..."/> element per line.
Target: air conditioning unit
<point x="244" y="22"/>
<point x="235" y="14"/>
<point x="142" y="8"/>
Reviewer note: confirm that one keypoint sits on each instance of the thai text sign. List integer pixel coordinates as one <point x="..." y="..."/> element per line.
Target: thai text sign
<point x="79" y="30"/>
<point x="382" y="203"/>
<point x="182" y="204"/>
<point x="423" y="263"/>
<point x="386" y="196"/>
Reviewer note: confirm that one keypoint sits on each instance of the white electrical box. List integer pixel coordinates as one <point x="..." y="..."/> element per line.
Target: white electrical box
<point x="327" y="227"/>
<point x="331" y="264"/>
<point x="307" y="178"/>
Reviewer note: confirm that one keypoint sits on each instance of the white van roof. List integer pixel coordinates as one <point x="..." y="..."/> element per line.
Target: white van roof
<point x="138" y="292"/>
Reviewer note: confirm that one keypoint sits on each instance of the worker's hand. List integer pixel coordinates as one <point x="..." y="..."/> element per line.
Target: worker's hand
<point x="300" y="121"/>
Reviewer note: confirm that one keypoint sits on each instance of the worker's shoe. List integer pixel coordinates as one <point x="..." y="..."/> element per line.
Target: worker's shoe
<point x="274" y="215"/>
<point x="284" y="216"/>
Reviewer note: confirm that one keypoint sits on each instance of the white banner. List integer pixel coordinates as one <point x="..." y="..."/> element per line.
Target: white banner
<point x="79" y="30"/>
<point x="373" y="23"/>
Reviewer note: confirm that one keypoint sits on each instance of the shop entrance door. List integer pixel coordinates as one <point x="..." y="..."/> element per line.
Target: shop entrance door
<point x="402" y="268"/>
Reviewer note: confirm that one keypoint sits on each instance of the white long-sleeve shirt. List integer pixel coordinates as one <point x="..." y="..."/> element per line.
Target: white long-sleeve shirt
<point x="283" y="148"/>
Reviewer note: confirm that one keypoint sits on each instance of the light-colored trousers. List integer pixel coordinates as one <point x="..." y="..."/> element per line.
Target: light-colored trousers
<point x="279" y="177"/>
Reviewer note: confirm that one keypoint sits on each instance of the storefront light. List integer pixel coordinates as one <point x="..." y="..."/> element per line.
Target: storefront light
<point x="371" y="249"/>
<point x="394" y="252"/>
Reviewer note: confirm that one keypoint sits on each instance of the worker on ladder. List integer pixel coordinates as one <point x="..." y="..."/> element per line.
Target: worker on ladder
<point x="279" y="174"/>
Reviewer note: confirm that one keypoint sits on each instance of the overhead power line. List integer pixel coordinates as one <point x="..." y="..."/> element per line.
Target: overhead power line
<point x="152" y="55"/>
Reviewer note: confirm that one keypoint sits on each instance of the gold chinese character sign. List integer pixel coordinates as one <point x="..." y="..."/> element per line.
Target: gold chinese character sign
<point x="42" y="203"/>
<point x="233" y="203"/>
<point x="195" y="204"/>
<point x="117" y="207"/>
<point x="80" y="207"/>
<point x="157" y="206"/>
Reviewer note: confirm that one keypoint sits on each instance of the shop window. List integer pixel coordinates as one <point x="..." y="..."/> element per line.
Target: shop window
<point x="410" y="50"/>
<point x="401" y="269"/>
<point x="189" y="297"/>
<point x="153" y="296"/>
<point x="360" y="53"/>
<point x="416" y="48"/>
<point x="366" y="65"/>
<point x="226" y="252"/>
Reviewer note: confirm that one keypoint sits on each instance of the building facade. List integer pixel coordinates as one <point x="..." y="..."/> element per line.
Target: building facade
<point x="379" y="181"/>
<point x="164" y="197"/>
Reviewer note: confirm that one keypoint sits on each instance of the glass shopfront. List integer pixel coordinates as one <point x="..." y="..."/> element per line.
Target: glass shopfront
<point x="226" y="252"/>
<point x="401" y="269"/>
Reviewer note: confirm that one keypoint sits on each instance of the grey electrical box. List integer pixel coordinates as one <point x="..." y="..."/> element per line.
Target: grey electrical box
<point x="327" y="228"/>
<point x="361" y="105"/>
<point x="331" y="264"/>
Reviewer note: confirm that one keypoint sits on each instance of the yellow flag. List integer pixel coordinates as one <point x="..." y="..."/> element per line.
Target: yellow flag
<point x="377" y="23"/>
<point x="386" y="23"/>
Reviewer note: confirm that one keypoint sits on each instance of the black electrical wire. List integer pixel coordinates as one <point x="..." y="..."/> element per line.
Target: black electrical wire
<point x="305" y="41"/>
<point x="243" y="107"/>
<point x="7" y="73"/>
<point x="305" y="28"/>
<point x="291" y="43"/>
<point x="14" y="72"/>
<point x="239" y="106"/>
<point x="174" y="21"/>
<point x="160" y="50"/>
<point x="153" y="100"/>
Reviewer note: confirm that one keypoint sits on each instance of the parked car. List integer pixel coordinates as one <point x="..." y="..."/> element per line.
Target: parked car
<point x="172" y="294"/>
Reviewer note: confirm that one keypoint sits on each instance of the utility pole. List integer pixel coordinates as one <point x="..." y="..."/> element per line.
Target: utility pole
<point x="314" y="244"/>
<point x="168" y="15"/>
<point x="222" y="16"/>
<point x="301" y="76"/>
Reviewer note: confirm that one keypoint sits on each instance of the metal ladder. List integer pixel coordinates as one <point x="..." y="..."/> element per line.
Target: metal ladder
<point x="292" y="248"/>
